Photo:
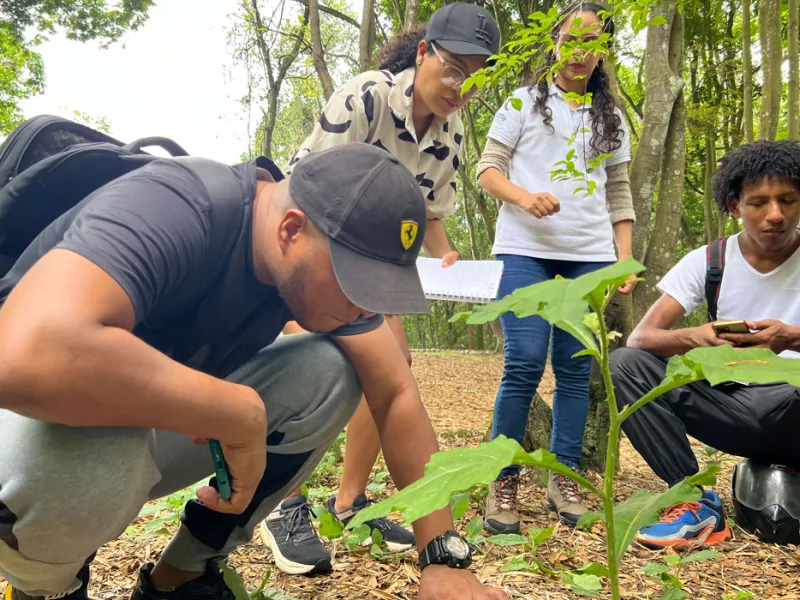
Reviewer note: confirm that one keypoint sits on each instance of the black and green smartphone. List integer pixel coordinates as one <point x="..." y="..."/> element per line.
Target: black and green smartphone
<point x="221" y="470"/>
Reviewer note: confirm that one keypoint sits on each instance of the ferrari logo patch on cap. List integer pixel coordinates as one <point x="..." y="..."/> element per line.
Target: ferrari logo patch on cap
<point x="408" y="233"/>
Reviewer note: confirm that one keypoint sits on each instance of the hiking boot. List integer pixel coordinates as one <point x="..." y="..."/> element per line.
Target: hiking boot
<point x="500" y="513"/>
<point x="79" y="592"/>
<point x="688" y="524"/>
<point x="563" y="497"/>
<point x="396" y="537"/>
<point x="294" y="542"/>
<point x="209" y="586"/>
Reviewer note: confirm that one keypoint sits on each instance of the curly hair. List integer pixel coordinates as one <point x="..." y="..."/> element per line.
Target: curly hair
<point x="753" y="163"/>
<point x="400" y="52"/>
<point x="606" y="123"/>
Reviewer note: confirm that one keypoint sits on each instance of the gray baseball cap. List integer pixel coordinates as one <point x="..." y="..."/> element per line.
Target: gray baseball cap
<point x="370" y="207"/>
<point x="463" y="28"/>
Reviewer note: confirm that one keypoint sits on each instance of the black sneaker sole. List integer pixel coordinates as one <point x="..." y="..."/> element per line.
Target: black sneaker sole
<point x="288" y="566"/>
<point x="500" y="529"/>
<point x="570" y="520"/>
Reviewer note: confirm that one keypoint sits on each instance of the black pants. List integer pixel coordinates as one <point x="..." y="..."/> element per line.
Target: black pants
<point x="761" y="422"/>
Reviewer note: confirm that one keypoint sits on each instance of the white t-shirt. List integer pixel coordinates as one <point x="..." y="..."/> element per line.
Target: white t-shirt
<point x="581" y="231"/>
<point x="744" y="293"/>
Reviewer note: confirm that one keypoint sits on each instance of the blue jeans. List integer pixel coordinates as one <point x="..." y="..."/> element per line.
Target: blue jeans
<point x="526" y="343"/>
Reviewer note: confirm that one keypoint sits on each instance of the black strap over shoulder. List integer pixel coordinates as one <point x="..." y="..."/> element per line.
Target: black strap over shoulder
<point x="715" y="266"/>
<point x="224" y="188"/>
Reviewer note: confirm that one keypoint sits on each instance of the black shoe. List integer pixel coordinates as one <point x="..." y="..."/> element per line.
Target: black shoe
<point x="294" y="542"/>
<point x="81" y="593"/>
<point x="209" y="586"/>
<point x="396" y="537"/>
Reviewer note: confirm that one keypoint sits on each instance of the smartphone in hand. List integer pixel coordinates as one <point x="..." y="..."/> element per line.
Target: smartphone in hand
<point x="730" y="327"/>
<point x="221" y="469"/>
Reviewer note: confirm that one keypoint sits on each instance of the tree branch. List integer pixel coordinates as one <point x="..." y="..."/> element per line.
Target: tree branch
<point x="333" y="12"/>
<point x="637" y="108"/>
<point x="317" y="53"/>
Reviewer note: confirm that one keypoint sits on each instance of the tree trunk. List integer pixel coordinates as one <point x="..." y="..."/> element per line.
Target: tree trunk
<point x="769" y="18"/>
<point x="708" y="192"/>
<point x="747" y="73"/>
<point x="480" y="199"/>
<point x="667" y="227"/>
<point x="412" y="10"/>
<point x="317" y="52"/>
<point x="275" y="78"/>
<point x="366" y="40"/>
<point x="468" y="212"/>
<point x="664" y="85"/>
<point x="794" y="71"/>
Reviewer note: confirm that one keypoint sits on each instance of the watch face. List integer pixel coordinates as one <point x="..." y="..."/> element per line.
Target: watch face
<point x="457" y="547"/>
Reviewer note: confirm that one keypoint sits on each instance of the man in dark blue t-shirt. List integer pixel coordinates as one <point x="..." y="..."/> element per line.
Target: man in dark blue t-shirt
<point x="126" y="342"/>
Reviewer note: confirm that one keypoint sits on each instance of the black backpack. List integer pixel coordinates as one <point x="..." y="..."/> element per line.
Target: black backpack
<point x="715" y="266"/>
<point x="49" y="164"/>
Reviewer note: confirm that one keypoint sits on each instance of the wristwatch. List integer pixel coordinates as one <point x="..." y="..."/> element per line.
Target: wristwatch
<point x="447" y="549"/>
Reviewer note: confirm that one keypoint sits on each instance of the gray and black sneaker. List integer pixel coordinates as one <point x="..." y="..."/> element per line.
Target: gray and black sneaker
<point x="209" y="586"/>
<point x="78" y="592"/>
<point x="396" y="537"/>
<point x="294" y="542"/>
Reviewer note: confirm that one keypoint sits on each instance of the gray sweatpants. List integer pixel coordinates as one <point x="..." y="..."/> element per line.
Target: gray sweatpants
<point x="65" y="491"/>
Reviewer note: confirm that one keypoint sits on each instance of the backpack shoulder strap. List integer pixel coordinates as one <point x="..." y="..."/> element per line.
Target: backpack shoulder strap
<point x="225" y="189"/>
<point x="715" y="266"/>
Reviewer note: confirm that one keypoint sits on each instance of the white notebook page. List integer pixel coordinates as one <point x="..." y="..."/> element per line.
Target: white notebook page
<point x="473" y="281"/>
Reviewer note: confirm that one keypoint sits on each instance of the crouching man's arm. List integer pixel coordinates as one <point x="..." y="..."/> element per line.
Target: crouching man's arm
<point x="654" y="332"/>
<point x="408" y="441"/>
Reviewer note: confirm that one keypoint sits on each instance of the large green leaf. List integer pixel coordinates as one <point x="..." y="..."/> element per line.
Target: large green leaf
<point x="447" y="472"/>
<point x="562" y="302"/>
<point x="641" y="509"/>
<point x="457" y="470"/>
<point x="726" y="363"/>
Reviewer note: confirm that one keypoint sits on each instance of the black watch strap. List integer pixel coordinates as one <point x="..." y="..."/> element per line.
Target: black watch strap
<point x="437" y="553"/>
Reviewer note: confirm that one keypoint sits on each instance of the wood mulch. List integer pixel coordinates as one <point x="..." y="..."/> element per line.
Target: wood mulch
<point x="458" y="391"/>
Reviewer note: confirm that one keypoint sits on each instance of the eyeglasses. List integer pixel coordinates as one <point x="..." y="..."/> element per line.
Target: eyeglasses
<point x="453" y="77"/>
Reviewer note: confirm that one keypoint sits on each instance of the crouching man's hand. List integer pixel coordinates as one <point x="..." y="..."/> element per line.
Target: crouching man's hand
<point x="441" y="582"/>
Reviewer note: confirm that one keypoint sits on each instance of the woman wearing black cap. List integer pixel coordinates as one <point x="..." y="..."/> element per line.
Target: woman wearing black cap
<point x="408" y="107"/>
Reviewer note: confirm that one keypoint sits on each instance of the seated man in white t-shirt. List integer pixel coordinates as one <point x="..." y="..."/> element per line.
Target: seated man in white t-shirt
<point x="760" y="185"/>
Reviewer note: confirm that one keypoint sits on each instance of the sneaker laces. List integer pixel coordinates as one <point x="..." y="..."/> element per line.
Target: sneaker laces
<point x="298" y="522"/>
<point x="674" y="513"/>
<point x="569" y="489"/>
<point x="506" y="492"/>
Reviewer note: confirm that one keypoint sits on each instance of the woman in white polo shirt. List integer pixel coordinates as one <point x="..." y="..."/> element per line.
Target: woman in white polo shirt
<point x="408" y="107"/>
<point x="546" y="229"/>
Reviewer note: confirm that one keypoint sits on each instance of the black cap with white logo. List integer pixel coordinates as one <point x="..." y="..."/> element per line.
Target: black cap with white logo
<point x="463" y="28"/>
<point x="369" y="206"/>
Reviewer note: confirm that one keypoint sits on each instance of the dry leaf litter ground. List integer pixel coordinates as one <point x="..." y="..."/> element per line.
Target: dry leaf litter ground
<point x="458" y="391"/>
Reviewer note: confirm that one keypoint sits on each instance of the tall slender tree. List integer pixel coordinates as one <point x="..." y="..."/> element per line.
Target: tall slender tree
<point x="747" y="73"/>
<point x="794" y="71"/>
<point x="769" y="27"/>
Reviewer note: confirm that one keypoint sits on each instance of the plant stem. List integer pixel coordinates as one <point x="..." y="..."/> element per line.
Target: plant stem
<point x="652" y="395"/>
<point x="611" y="453"/>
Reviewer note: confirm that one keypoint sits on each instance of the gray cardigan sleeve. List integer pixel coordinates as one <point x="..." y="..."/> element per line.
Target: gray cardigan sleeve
<point x="618" y="194"/>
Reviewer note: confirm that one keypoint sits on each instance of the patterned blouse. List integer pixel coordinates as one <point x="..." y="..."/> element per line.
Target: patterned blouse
<point x="376" y="107"/>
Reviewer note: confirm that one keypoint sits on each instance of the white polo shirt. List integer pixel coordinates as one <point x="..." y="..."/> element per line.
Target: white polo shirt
<point x="744" y="292"/>
<point x="581" y="231"/>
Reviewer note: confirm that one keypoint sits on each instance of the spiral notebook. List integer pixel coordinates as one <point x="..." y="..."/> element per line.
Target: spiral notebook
<point x="474" y="281"/>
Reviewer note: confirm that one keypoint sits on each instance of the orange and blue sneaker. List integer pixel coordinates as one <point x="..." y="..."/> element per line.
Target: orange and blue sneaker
<point x="688" y="525"/>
